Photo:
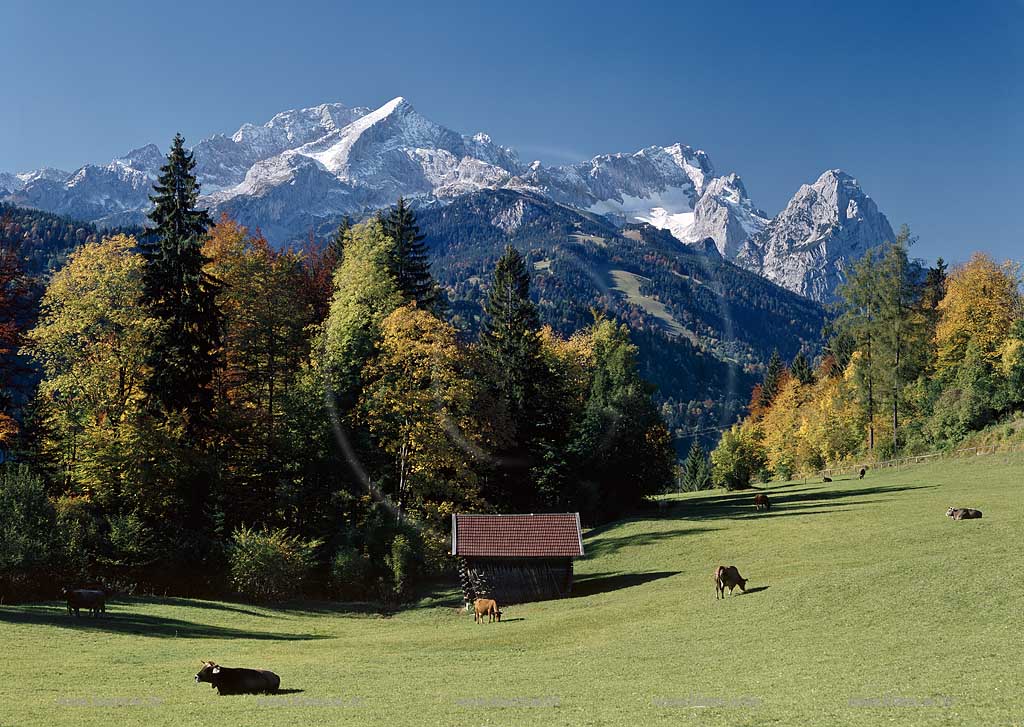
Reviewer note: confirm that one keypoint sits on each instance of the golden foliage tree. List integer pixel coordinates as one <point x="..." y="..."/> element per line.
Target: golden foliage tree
<point x="982" y="302"/>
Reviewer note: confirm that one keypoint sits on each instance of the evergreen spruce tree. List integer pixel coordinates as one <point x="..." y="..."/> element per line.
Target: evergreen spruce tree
<point x="801" y="369"/>
<point x="336" y="245"/>
<point x="511" y="353"/>
<point x="772" y="379"/>
<point x="180" y="294"/>
<point x="509" y="335"/>
<point x="410" y="266"/>
<point x="934" y="287"/>
<point x="696" y="469"/>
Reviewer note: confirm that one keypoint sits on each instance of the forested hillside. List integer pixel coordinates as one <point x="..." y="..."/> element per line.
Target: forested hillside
<point x="270" y="421"/>
<point x="704" y="327"/>
<point x="916" y="363"/>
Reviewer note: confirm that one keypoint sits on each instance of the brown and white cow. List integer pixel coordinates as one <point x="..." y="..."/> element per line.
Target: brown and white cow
<point x="761" y="502"/>
<point x="727" y="576"/>
<point x="486" y="607"/>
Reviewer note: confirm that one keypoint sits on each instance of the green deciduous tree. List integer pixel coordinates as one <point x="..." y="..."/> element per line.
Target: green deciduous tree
<point x="365" y="293"/>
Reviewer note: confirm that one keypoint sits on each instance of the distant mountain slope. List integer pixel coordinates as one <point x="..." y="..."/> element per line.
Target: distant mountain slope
<point x="703" y="325"/>
<point x="305" y="168"/>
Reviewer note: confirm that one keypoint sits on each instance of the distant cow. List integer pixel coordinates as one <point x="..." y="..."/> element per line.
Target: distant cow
<point x="486" y="607"/>
<point x="94" y="600"/>
<point x="761" y="502"/>
<point x="727" y="576"/>
<point x="238" y="681"/>
<point x="863" y="471"/>
<point x="963" y="513"/>
<point x="826" y="479"/>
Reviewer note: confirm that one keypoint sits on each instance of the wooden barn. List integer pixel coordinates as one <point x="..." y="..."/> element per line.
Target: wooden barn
<point x="517" y="558"/>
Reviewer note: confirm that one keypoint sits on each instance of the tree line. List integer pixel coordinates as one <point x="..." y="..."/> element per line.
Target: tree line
<point x="213" y="414"/>
<point x="916" y="360"/>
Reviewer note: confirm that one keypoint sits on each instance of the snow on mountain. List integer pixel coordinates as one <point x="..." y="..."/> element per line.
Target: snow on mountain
<point x="659" y="185"/>
<point x="306" y="168"/>
<point x="826" y="226"/>
<point x="362" y="166"/>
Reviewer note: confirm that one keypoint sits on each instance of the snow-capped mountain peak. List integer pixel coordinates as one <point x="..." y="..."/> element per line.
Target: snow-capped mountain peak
<point x="305" y="168"/>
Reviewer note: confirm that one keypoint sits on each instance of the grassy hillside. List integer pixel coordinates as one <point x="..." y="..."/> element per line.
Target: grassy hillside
<point x="867" y="606"/>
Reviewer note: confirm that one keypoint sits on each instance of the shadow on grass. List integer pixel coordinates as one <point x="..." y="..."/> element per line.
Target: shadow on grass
<point x="512" y="620"/>
<point x="758" y="589"/>
<point x="784" y="502"/>
<point x="606" y="582"/>
<point x="288" y="691"/>
<point x="605" y="546"/>
<point x="197" y="603"/>
<point x="125" y="622"/>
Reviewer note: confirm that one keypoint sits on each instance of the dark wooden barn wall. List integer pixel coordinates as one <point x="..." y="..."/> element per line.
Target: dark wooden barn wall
<point x="527" y="579"/>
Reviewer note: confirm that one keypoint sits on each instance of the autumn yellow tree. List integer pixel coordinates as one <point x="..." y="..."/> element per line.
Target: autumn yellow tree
<point x="980" y="306"/>
<point x="263" y="341"/>
<point x="417" y="404"/>
<point x="91" y="342"/>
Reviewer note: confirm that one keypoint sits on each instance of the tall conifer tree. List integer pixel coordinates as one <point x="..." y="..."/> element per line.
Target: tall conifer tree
<point x="411" y="267"/>
<point x="801" y="369"/>
<point x="772" y="379"/>
<point x="509" y="335"/>
<point x="180" y="294"/>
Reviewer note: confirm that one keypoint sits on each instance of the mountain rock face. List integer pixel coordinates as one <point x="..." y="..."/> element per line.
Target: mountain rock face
<point x="826" y="226"/>
<point x="305" y="169"/>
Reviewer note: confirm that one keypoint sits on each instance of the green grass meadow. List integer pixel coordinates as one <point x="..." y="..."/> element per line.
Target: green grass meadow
<point x="866" y="606"/>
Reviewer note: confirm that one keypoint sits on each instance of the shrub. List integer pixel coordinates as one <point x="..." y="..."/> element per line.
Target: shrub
<point x="403" y="564"/>
<point x="350" y="571"/>
<point x="268" y="565"/>
<point x="79" y="536"/>
<point x="738" y="457"/>
<point x="27" y="525"/>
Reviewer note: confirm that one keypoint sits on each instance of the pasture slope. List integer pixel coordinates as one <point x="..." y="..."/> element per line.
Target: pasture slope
<point x="867" y="606"/>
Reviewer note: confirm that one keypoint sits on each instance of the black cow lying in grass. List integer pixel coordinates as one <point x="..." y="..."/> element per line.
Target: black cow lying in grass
<point x="963" y="513"/>
<point x="92" y="599"/>
<point x="238" y="681"/>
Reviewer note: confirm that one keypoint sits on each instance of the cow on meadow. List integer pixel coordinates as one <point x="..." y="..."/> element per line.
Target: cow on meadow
<point x="92" y="599"/>
<point x="863" y="471"/>
<point x="761" y="502"/>
<point x="727" y="576"/>
<point x="826" y="479"/>
<point x="963" y="513"/>
<point x="486" y="607"/>
<point x="238" y="681"/>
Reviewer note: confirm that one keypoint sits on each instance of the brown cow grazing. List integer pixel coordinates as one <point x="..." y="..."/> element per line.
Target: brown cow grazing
<point x="486" y="607"/>
<point x="727" y="576"/>
<point x="863" y="471"/>
<point x="93" y="600"/>
<point x="238" y="681"/>
<point x="826" y="479"/>
<point x="963" y="513"/>
<point x="761" y="502"/>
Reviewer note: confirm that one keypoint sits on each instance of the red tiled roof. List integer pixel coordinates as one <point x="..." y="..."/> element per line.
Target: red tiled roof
<point x="555" y="535"/>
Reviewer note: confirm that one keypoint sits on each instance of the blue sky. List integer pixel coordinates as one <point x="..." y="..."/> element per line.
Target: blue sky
<point x="922" y="101"/>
